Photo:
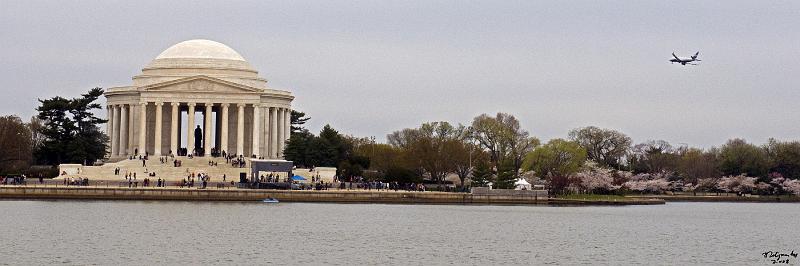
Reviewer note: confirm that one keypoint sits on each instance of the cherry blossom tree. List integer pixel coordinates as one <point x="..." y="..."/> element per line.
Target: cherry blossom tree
<point x="648" y="183"/>
<point x="705" y="184"/>
<point x="792" y="186"/>
<point x="596" y="180"/>
<point x="738" y="184"/>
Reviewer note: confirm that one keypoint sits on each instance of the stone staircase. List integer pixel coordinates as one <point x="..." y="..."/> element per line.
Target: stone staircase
<point x="165" y="170"/>
<point x="188" y="166"/>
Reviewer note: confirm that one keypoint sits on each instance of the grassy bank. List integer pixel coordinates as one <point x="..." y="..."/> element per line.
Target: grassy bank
<point x="592" y="197"/>
<point x="597" y="199"/>
<point x="711" y="198"/>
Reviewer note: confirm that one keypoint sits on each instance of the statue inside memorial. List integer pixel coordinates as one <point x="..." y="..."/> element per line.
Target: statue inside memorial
<point x="198" y="140"/>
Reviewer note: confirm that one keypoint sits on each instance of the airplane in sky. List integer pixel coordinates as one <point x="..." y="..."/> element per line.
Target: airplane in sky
<point x="684" y="60"/>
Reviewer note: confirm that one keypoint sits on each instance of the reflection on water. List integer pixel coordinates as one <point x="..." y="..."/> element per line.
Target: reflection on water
<point x="151" y="232"/>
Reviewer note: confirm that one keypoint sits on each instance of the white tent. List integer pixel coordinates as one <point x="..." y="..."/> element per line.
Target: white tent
<point x="521" y="184"/>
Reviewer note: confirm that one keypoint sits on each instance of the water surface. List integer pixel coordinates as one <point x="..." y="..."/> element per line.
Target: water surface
<point x="162" y="232"/>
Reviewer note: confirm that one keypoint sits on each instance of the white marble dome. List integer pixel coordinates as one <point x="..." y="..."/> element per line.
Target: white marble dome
<point x="200" y="49"/>
<point x="200" y="57"/>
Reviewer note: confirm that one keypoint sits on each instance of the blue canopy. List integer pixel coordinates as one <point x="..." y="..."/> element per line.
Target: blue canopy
<point x="298" y="178"/>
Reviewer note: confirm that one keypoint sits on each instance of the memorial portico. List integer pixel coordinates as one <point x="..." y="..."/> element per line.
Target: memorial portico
<point x="240" y="114"/>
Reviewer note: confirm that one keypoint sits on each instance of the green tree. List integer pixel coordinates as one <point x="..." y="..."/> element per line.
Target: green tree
<point x="784" y="157"/>
<point x="297" y="120"/>
<point x="71" y="130"/>
<point x="297" y="148"/>
<point x="348" y="169"/>
<point x="329" y="149"/>
<point x="739" y="157"/>
<point x="556" y="158"/>
<point x="402" y="175"/>
<point x="506" y="176"/>
<point x="481" y="174"/>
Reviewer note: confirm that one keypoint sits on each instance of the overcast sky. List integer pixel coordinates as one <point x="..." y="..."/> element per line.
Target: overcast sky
<point x="372" y="67"/>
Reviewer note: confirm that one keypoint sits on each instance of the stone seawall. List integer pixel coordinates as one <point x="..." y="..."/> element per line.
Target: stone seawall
<point x="104" y="193"/>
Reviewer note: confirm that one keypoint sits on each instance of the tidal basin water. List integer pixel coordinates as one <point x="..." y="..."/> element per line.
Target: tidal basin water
<point x="157" y="232"/>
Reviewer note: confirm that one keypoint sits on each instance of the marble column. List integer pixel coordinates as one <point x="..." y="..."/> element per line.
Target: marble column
<point x="142" y="128"/>
<point x="207" y="130"/>
<point x="280" y="132"/>
<point x="173" y="136"/>
<point x="224" y="129"/>
<point x="157" y="139"/>
<point x="114" y="134"/>
<point x="123" y="130"/>
<point x="131" y="126"/>
<point x="240" y="130"/>
<point x="273" y="132"/>
<point x="256" y="129"/>
<point x="287" y="116"/>
<point x="190" y="129"/>
<point x="109" y="122"/>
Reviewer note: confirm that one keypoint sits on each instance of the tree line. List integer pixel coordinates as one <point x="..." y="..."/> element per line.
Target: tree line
<point x="496" y="150"/>
<point x="492" y="149"/>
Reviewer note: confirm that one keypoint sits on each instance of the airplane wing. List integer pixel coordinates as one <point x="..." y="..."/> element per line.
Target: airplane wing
<point x="676" y="57"/>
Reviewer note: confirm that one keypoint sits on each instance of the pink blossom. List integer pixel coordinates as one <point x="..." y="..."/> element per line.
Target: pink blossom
<point x="593" y="178"/>
<point x="705" y="184"/>
<point x="792" y="186"/>
<point x="764" y="187"/>
<point x="653" y="183"/>
<point x="739" y="183"/>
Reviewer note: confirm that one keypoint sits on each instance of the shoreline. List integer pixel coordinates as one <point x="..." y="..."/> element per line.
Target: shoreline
<point x="324" y="196"/>
<point x="691" y="198"/>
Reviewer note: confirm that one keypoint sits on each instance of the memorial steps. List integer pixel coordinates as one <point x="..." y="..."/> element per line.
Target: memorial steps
<point x="188" y="166"/>
<point x="166" y="170"/>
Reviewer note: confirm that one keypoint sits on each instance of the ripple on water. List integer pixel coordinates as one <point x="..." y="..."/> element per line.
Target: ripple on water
<point x="135" y="233"/>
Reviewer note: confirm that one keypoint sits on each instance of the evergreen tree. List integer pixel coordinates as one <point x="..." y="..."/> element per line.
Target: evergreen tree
<point x="505" y="175"/>
<point x="329" y="149"/>
<point x="480" y="174"/>
<point x="71" y="130"/>
<point x="297" y="120"/>
<point x="297" y="148"/>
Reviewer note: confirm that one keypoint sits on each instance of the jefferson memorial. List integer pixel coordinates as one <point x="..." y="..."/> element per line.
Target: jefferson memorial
<point x="155" y="113"/>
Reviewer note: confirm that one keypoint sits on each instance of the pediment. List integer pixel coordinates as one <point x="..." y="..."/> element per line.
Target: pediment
<point x="200" y="84"/>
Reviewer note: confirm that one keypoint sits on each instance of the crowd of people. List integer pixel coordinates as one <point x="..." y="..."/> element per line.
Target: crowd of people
<point x="202" y="178"/>
<point x="14" y="180"/>
<point x="385" y="186"/>
<point x="72" y="181"/>
<point x="235" y="161"/>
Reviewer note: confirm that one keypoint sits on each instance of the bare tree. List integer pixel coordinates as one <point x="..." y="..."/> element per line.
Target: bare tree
<point x="426" y="147"/>
<point x="15" y="144"/>
<point x="503" y="138"/>
<point x="654" y="156"/>
<point x="36" y="126"/>
<point x="695" y="164"/>
<point x="606" y="147"/>
<point x="516" y="142"/>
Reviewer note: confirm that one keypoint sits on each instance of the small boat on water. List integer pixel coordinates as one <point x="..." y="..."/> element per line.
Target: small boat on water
<point x="270" y="200"/>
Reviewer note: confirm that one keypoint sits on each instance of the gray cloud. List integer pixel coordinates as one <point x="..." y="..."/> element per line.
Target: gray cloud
<point x="370" y="67"/>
